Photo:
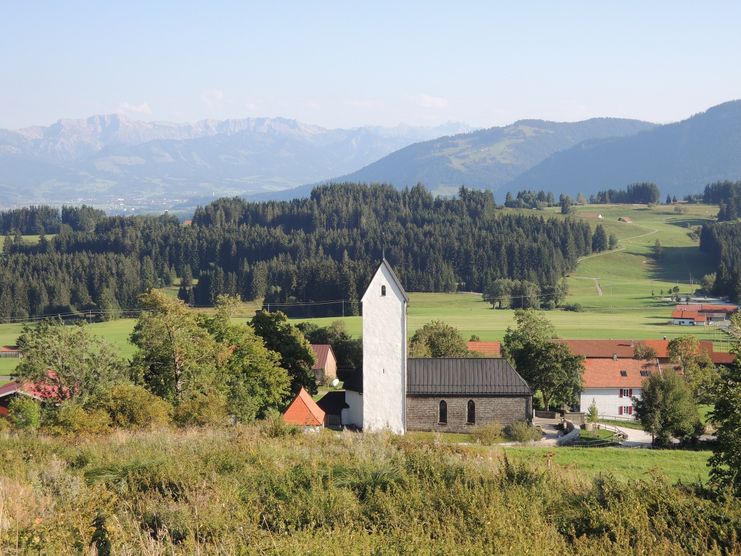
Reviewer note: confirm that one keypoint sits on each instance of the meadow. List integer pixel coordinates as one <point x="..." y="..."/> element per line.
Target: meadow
<point x="627" y="278"/>
<point x="267" y="489"/>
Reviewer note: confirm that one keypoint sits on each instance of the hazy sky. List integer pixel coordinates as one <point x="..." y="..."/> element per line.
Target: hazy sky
<point x="342" y="64"/>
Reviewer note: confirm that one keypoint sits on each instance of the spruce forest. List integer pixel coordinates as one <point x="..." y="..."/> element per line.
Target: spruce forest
<point x="319" y="249"/>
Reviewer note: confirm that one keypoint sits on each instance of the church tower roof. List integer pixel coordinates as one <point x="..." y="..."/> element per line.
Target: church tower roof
<point x="393" y="278"/>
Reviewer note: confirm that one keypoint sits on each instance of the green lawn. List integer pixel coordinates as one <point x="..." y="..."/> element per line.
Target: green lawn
<point x="625" y="463"/>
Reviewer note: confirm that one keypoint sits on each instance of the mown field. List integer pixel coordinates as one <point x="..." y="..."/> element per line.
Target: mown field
<point x="263" y="489"/>
<point x="627" y="277"/>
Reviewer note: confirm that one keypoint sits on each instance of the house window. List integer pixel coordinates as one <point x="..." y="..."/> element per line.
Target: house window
<point x="623" y="373"/>
<point x="645" y="373"/>
<point x="442" y="413"/>
<point x="625" y="410"/>
<point x="383" y="291"/>
<point x="626" y="392"/>
<point x="471" y="414"/>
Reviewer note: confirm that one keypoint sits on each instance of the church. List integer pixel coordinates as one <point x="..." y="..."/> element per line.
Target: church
<point x="398" y="393"/>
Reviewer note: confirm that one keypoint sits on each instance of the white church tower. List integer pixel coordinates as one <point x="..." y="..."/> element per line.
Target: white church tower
<point x="385" y="352"/>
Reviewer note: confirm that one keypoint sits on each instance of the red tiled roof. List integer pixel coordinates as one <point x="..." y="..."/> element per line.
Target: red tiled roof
<point x="601" y="348"/>
<point x="661" y="347"/>
<point x="490" y="349"/>
<point x="38" y="390"/>
<point x="694" y="315"/>
<point x="722" y="358"/>
<point x="304" y="411"/>
<point x="707" y="308"/>
<point x="9" y="349"/>
<point x="321" y="352"/>
<point x="606" y="373"/>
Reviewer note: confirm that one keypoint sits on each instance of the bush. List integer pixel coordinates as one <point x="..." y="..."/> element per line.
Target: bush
<point x="575" y="307"/>
<point x="133" y="407"/>
<point x="25" y="413"/>
<point x="202" y="408"/>
<point x="73" y="419"/>
<point x="520" y="431"/>
<point x="273" y="426"/>
<point x="488" y="434"/>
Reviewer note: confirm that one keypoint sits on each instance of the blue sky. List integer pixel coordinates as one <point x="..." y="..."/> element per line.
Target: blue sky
<point x="341" y="64"/>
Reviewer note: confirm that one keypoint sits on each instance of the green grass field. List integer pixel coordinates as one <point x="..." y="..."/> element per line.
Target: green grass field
<point x="627" y="277"/>
<point x="629" y="464"/>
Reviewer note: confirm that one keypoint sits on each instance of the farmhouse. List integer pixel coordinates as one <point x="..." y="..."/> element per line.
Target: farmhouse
<point x="399" y="394"/>
<point x="325" y="366"/>
<point x="41" y="392"/>
<point x="611" y="383"/>
<point x="688" y="318"/>
<point x="13" y="352"/>
<point x="709" y="313"/>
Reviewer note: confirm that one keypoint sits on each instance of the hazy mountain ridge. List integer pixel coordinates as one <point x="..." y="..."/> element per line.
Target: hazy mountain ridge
<point x="109" y="156"/>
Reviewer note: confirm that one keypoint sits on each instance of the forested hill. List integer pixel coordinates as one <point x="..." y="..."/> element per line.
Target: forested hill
<point x="317" y="249"/>
<point x="722" y="240"/>
<point x="488" y="158"/>
<point x="679" y="157"/>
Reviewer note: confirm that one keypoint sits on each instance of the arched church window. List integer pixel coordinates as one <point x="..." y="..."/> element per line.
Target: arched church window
<point x="383" y="291"/>
<point x="471" y="414"/>
<point x="443" y="412"/>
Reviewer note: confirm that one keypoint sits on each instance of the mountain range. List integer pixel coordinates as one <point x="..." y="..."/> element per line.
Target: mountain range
<point x="115" y="162"/>
<point x="108" y="157"/>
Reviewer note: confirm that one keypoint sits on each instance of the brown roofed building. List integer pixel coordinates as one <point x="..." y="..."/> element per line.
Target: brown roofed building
<point x="13" y="352"/>
<point x="325" y="366"/>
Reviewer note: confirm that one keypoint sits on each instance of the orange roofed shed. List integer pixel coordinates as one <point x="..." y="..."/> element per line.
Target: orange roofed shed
<point x="304" y="411"/>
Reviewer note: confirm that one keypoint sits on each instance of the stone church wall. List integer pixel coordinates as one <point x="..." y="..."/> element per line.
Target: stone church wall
<point x="422" y="412"/>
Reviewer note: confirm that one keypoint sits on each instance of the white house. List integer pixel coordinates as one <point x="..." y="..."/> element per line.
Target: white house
<point x="612" y="383"/>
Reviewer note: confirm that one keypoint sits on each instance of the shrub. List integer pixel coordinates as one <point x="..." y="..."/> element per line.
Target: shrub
<point x="520" y="431"/>
<point x="73" y="419"/>
<point x="488" y="434"/>
<point x="133" y="407"/>
<point x="202" y="408"/>
<point x="575" y="307"/>
<point x="25" y="413"/>
<point x="273" y="426"/>
<point x="593" y="413"/>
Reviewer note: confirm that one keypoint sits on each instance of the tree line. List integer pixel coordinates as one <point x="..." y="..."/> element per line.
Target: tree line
<point x="722" y="241"/>
<point x="727" y="195"/>
<point x="638" y="193"/>
<point x="39" y="220"/>
<point x="318" y="249"/>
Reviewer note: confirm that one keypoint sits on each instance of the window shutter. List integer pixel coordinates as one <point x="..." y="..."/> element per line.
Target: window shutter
<point x="630" y="410"/>
<point x="621" y="392"/>
<point x="620" y="410"/>
<point x="630" y="392"/>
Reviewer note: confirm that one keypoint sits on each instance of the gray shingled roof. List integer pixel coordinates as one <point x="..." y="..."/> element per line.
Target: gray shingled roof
<point x="464" y="377"/>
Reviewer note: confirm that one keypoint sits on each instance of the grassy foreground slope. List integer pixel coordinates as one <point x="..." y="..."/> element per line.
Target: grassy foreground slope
<point x="260" y="489"/>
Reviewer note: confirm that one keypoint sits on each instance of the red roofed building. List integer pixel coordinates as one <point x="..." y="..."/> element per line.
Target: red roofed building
<point x="47" y="391"/>
<point x="612" y="383"/>
<point x="489" y="349"/>
<point x="325" y="366"/>
<point x="710" y="312"/>
<point x="688" y="318"/>
<point x="10" y="351"/>
<point x="304" y="411"/>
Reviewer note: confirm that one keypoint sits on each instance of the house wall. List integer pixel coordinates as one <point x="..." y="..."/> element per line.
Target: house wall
<point x="608" y="400"/>
<point x="422" y="412"/>
<point x="353" y="416"/>
<point x="330" y="369"/>
<point x="384" y="355"/>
